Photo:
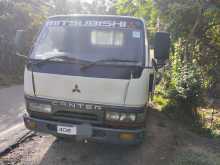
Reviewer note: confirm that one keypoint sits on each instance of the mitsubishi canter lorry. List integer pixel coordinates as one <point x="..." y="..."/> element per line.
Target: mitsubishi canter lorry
<point x="90" y="77"/>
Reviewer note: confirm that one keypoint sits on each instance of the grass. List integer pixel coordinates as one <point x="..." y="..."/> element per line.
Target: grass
<point x="210" y="120"/>
<point x="204" y="125"/>
<point x="160" y="102"/>
<point x="196" y="157"/>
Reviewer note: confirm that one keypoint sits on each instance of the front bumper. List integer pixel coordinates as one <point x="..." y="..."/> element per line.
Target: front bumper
<point x="98" y="134"/>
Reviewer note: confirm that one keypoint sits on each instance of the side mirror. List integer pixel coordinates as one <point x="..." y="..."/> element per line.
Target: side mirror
<point x="161" y="47"/>
<point x="19" y="40"/>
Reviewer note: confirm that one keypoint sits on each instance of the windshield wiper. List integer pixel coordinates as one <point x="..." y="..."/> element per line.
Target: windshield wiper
<point x="104" y="60"/>
<point x="55" y="58"/>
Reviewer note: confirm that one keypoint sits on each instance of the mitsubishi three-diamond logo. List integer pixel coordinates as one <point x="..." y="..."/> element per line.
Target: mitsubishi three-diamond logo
<point x="76" y="89"/>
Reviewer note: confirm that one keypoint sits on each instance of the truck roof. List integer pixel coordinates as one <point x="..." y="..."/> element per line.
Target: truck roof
<point x="58" y="17"/>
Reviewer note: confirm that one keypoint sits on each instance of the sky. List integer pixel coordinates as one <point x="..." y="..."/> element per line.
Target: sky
<point x="83" y="0"/>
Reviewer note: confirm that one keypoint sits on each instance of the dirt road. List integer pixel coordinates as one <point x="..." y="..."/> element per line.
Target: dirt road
<point x="163" y="142"/>
<point x="11" y="106"/>
<point x="11" y="111"/>
<point x="157" y="149"/>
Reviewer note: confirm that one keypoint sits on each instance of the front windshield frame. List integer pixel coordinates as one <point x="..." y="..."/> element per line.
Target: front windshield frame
<point x="142" y="44"/>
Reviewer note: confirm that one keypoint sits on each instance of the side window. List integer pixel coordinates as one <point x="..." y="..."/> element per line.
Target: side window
<point x="107" y="38"/>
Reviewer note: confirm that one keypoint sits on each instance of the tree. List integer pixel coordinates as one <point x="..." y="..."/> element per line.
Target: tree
<point x="140" y="8"/>
<point x="196" y="24"/>
<point x="14" y="15"/>
<point x="79" y="7"/>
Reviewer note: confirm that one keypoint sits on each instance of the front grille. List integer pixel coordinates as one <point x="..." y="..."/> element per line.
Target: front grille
<point x="76" y="115"/>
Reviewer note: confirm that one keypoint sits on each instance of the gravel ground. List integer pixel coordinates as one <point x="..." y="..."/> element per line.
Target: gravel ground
<point x="164" y="140"/>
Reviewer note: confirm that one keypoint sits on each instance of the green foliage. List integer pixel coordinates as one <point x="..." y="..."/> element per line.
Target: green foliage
<point x="140" y="8"/>
<point x="160" y="101"/>
<point x="194" y="63"/>
<point x="185" y="86"/>
<point x="195" y="30"/>
<point x="195" y="27"/>
<point x="16" y="15"/>
<point x="82" y="7"/>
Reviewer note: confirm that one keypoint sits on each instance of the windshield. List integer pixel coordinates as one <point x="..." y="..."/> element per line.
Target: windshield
<point x="89" y="43"/>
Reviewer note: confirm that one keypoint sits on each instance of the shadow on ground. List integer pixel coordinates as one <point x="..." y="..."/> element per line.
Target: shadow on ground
<point x="157" y="149"/>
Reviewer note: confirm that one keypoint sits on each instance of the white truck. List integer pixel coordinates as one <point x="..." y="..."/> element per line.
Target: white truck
<point x="90" y="76"/>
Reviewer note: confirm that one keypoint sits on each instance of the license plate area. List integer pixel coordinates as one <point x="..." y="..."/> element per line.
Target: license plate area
<point x="67" y="130"/>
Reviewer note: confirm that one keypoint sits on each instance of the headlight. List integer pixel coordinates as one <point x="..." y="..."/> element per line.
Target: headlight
<point x="127" y="117"/>
<point x="39" y="107"/>
<point x="120" y="117"/>
<point x="112" y="116"/>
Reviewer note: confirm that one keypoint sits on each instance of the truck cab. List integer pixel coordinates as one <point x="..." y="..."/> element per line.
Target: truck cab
<point x="89" y="77"/>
